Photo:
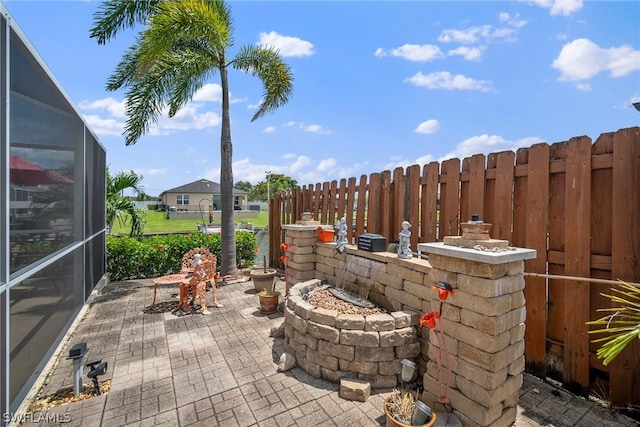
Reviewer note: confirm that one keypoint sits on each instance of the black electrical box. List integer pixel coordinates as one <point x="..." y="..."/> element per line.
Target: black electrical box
<point x="372" y="242"/>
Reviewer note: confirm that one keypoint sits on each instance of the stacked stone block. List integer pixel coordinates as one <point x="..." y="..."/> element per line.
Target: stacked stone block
<point x="301" y="254"/>
<point x="482" y="323"/>
<point x="483" y="329"/>
<point x="335" y="346"/>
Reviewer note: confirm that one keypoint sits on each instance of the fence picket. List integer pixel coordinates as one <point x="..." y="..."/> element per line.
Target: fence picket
<point x="577" y="262"/>
<point x="625" y="252"/>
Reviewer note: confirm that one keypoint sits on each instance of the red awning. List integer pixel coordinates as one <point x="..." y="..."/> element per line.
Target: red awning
<point x="23" y="172"/>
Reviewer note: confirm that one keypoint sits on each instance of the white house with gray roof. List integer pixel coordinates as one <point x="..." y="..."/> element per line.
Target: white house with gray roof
<point x="200" y="195"/>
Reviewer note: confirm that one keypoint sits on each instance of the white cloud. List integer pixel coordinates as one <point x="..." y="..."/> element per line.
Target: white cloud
<point x="300" y="167"/>
<point x="424" y="160"/>
<point x="114" y="107"/>
<point x="300" y="162"/>
<point x="583" y="87"/>
<point x="156" y="172"/>
<point x="582" y="59"/>
<point x="467" y="36"/>
<point x="110" y="119"/>
<point x="269" y="129"/>
<point x="468" y="53"/>
<point x="288" y="124"/>
<point x="326" y="164"/>
<point x="513" y="21"/>
<point x="413" y="52"/>
<point x="474" y="35"/>
<point x="187" y="118"/>
<point x="104" y="126"/>
<point x="316" y="129"/>
<point x="429" y="126"/>
<point x="486" y="144"/>
<point x="288" y="46"/>
<point x="211" y="92"/>
<point x="559" y="7"/>
<point x="445" y="80"/>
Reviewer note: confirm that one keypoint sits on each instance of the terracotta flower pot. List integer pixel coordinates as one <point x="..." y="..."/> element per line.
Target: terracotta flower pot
<point x="263" y="280"/>
<point x="268" y="301"/>
<point x="392" y="422"/>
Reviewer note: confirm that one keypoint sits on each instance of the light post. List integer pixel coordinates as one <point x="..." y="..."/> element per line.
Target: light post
<point x="268" y="194"/>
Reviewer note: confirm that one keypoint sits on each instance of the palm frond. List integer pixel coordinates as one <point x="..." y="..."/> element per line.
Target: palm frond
<point x="622" y="325"/>
<point x="275" y="74"/>
<point x="115" y="15"/>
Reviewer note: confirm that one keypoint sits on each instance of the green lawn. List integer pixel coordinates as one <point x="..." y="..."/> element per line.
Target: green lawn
<point x="157" y="223"/>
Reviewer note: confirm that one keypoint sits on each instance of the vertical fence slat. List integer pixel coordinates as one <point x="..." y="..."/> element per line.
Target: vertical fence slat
<point x="556" y="301"/>
<point x="450" y="199"/>
<point x="490" y="189"/>
<point x="307" y="198"/>
<point x="430" y="203"/>
<point x="503" y="202"/>
<point x="298" y="204"/>
<point x="362" y="199"/>
<point x="399" y="213"/>
<point x="601" y="226"/>
<point x="351" y="202"/>
<point x="625" y="254"/>
<point x="535" y="291"/>
<point x="317" y="202"/>
<point x="333" y="191"/>
<point x="386" y="205"/>
<point x="413" y="203"/>
<point x="577" y="262"/>
<point x="477" y="180"/>
<point x="342" y="202"/>
<point x="325" y="203"/>
<point x="373" y="205"/>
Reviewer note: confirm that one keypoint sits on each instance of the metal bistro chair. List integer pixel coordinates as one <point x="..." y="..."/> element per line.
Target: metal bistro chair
<point x="203" y="274"/>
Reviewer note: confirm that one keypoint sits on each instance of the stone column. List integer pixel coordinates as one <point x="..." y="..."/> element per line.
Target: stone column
<point x="483" y="326"/>
<point x="301" y="261"/>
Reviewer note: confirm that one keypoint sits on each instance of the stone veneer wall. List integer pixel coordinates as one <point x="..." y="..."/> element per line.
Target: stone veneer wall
<point x="483" y="322"/>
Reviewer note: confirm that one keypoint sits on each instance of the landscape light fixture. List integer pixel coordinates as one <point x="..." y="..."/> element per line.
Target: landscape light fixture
<point x="96" y="368"/>
<point x="76" y="353"/>
<point x="408" y="370"/>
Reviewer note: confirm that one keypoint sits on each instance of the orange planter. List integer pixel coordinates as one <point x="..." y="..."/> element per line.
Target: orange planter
<point x="325" y="235"/>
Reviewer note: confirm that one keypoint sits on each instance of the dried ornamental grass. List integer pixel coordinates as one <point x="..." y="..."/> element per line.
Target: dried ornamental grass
<point x="401" y="406"/>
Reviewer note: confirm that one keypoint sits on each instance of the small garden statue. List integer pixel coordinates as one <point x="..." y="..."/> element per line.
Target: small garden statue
<point x="197" y="260"/>
<point x="404" y="249"/>
<point x="341" y="241"/>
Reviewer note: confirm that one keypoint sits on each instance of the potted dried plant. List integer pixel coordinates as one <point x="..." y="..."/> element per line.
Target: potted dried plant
<point x="402" y="409"/>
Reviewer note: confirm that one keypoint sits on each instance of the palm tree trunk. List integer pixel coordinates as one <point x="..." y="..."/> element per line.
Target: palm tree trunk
<point x="228" y="244"/>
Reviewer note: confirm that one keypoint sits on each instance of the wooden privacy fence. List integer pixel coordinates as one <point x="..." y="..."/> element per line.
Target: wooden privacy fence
<point x="576" y="203"/>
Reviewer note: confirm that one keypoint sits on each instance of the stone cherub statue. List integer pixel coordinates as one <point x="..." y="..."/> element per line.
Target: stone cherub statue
<point x="404" y="238"/>
<point x="341" y="241"/>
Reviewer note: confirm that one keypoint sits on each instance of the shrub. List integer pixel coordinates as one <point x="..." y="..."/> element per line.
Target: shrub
<point x="132" y="258"/>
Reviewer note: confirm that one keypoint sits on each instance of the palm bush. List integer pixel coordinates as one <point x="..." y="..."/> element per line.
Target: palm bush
<point x="622" y="324"/>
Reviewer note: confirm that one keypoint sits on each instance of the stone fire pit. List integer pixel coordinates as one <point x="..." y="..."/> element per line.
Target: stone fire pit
<point x="331" y="345"/>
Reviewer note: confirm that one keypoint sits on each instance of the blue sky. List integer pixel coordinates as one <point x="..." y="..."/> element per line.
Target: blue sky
<point x="378" y="84"/>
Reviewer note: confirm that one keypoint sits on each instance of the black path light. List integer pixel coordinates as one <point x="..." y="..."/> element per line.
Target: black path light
<point x="76" y="353"/>
<point x="96" y="368"/>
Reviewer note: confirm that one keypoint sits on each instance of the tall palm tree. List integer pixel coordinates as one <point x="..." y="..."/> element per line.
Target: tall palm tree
<point x="119" y="206"/>
<point x="184" y="43"/>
